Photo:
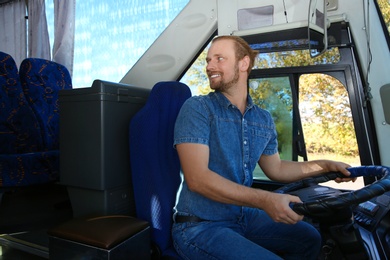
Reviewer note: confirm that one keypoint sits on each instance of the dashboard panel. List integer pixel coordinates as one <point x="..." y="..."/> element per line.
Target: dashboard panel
<point x="373" y="219"/>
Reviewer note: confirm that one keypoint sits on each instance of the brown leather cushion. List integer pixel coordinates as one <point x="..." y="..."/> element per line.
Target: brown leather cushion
<point x="101" y="231"/>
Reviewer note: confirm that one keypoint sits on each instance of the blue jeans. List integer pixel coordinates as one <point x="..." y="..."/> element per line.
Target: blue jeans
<point x="253" y="236"/>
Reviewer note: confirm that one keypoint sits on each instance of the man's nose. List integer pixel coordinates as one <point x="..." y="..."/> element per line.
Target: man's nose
<point x="210" y="65"/>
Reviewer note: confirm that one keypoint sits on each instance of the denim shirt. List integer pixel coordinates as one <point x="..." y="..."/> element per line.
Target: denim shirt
<point x="235" y="142"/>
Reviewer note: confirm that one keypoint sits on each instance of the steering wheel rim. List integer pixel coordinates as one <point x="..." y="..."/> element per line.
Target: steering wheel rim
<point x="326" y="206"/>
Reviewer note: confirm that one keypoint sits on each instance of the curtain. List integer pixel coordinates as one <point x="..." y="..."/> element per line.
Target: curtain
<point x="64" y="29"/>
<point x="38" y="35"/>
<point x="13" y="30"/>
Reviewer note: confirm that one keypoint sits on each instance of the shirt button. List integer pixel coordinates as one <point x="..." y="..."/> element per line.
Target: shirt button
<point x="245" y="142"/>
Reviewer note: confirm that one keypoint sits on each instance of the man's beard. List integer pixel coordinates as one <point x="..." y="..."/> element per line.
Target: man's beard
<point x="222" y="85"/>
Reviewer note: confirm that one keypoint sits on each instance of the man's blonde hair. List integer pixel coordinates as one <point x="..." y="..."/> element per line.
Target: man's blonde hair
<point x="242" y="49"/>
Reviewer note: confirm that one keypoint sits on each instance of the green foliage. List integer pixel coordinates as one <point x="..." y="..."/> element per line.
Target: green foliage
<point x="326" y="115"/>
<point x="384" y="6"/>
<point x="196" y="76"/>
<point x="274" y="95"/>
<point x="295" y="58"/>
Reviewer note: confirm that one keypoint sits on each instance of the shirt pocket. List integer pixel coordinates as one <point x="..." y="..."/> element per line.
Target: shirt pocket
<point x="262" y="141"/>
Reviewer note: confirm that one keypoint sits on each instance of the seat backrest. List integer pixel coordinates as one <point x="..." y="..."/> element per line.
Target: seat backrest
<point x="19" y="128"/>
<point x="41" y="81"/>
<point x="154" y="162"/>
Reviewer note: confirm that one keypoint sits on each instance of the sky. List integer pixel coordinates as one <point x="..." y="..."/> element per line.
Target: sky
<point x="111" y="36"/>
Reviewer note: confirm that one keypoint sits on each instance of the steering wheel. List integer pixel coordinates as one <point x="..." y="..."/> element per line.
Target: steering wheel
<point x="322" y="202"/>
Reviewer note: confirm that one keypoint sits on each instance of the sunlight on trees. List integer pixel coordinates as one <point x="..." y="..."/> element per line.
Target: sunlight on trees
<point x="196" y="76"/>
<point x="326" y="116"/>
<point x="384" y="5"/>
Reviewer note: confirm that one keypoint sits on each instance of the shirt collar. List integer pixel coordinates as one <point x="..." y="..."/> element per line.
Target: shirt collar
<point x="226" y="102"/>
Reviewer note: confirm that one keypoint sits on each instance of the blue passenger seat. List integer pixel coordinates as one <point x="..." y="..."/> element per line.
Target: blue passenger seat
<point x="41" y="82"/>
<point x="19" y="129"/>
<point x="154" y="161"/>
<point x="29" y="152"/>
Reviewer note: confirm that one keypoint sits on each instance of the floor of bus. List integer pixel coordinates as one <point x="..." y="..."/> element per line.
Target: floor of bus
<point x="12" y="253"/>
<point x="25" y="216"/>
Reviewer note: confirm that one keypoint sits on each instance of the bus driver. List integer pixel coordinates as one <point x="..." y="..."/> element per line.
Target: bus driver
<point x="219" y="138"/>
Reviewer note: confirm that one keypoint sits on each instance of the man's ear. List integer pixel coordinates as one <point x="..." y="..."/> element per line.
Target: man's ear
<point x="244" y="63"/>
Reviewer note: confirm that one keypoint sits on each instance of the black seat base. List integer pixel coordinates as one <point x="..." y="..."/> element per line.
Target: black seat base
<point x="102" y="237"/>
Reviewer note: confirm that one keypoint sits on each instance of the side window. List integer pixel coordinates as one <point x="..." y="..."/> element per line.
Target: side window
<point x="327" y="123"/>
<point x="274" y="95"/>
<point x="110" y="36"/>
<point x="325" y="118"/>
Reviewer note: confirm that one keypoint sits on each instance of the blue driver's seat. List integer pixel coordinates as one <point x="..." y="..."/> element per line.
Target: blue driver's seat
<point x="155" y="164"/>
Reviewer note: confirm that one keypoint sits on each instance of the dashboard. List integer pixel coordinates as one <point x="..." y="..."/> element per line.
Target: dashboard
<point x="373" y="219"/>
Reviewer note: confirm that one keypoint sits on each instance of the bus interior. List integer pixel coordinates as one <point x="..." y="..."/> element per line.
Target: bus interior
<point x="321" y="72"/>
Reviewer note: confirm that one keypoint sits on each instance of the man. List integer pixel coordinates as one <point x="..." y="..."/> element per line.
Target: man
<point x="219" y="138"/>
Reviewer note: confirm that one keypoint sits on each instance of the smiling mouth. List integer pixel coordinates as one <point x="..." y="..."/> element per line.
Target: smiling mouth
<point x="213" y="76"/>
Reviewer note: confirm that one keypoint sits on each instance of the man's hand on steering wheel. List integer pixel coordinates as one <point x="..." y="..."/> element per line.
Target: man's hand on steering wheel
<point x="278" y="208"/>
<point x="333" y="166"/>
